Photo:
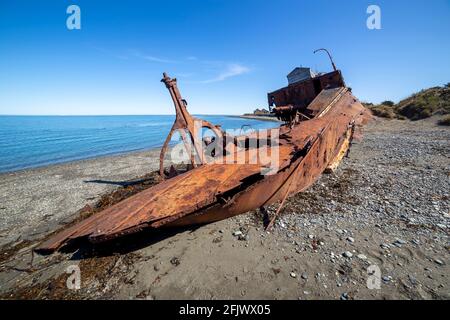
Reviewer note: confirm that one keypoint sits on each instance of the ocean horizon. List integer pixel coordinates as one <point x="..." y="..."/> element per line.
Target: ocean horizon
<point x="32" y="141"/>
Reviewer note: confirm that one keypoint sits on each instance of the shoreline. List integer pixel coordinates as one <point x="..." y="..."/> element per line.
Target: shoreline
<point x="52" y="194"/>
<point x="68" y="162"/>
<point x="112" y="154"/>
<point x="261" y="118"/>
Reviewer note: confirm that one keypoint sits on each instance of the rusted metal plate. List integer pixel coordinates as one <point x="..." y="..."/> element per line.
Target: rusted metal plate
<point x="179" y="196"/>
<point x="327" y="135"/>
<point x="322" y="101"/>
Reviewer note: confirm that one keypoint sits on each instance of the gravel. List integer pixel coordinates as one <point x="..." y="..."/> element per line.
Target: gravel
<point x="393" y="194"/>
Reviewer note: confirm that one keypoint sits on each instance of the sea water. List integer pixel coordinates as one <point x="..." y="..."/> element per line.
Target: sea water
<point x="34" y="141"/>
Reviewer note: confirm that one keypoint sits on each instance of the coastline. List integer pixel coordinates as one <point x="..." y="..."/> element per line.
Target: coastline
<point x="119" y="150"/>
<point x="88" y="159"/>
<point x="52" y="193"/>
<point x="262" y="118"/>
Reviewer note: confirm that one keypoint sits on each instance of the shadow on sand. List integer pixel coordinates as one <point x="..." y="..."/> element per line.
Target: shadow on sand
<point x="120" y="183"/>
<point x="83" y="249"/>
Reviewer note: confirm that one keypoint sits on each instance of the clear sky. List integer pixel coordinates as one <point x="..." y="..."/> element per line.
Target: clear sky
<point x="226" y="54"/>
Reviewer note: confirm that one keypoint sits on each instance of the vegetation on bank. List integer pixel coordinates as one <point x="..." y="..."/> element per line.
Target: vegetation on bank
<point x="421" y="105"/>
<point x="259" y="113"/>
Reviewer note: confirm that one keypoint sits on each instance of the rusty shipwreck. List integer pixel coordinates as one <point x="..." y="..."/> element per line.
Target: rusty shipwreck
<point x="320" y="117"/>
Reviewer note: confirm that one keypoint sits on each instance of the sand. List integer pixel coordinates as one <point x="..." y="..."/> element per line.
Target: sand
<point x="385" y="207"/>
<point x="33" y="202"/>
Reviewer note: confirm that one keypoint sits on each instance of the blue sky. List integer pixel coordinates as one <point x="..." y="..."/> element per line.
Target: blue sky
<point x="225" y="54"/>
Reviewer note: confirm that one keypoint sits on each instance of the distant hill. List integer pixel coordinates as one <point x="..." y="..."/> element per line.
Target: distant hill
<point x="418" y="106"/>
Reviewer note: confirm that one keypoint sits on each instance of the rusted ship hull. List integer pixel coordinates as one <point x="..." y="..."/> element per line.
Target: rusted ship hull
<point x="215" y="190"/>
<point x="327" y="140"/>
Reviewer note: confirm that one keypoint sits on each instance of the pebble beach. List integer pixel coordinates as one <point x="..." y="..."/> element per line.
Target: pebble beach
<point x="386" y="207"/>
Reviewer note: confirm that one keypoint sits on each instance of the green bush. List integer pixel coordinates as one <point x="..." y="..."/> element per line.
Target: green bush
<point x="416" y="111"/>
<point x="388" y="103"/>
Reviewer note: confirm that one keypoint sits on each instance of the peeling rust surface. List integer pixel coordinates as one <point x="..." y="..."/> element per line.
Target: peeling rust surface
<point x="215" y="190"/>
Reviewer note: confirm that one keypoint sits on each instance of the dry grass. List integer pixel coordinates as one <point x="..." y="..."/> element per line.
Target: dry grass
<point x="445" y="121"/>
<point x="383" y="111"/>
<point x="421" y="105"/>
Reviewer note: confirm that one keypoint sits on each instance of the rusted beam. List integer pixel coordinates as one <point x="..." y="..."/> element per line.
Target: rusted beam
<point x="185" y="122"/>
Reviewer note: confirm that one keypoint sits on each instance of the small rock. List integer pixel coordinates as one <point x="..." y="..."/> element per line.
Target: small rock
<point x="439" y="262"/>
<point x="293" y="275"/>
<point x="347" y="254"/>
<point x="361" y="256"/>
<point x="399" y="242"/>
<point x="412" y="280"/>
<point x="175" y="261"/>
<point x="237" y="233"/>
<point x="304" y="275"/>
<point x="243" y="237"/>
<point x="350" y="239"/>
<point x="387" y="278"/>
<point x="344" y="296"/>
